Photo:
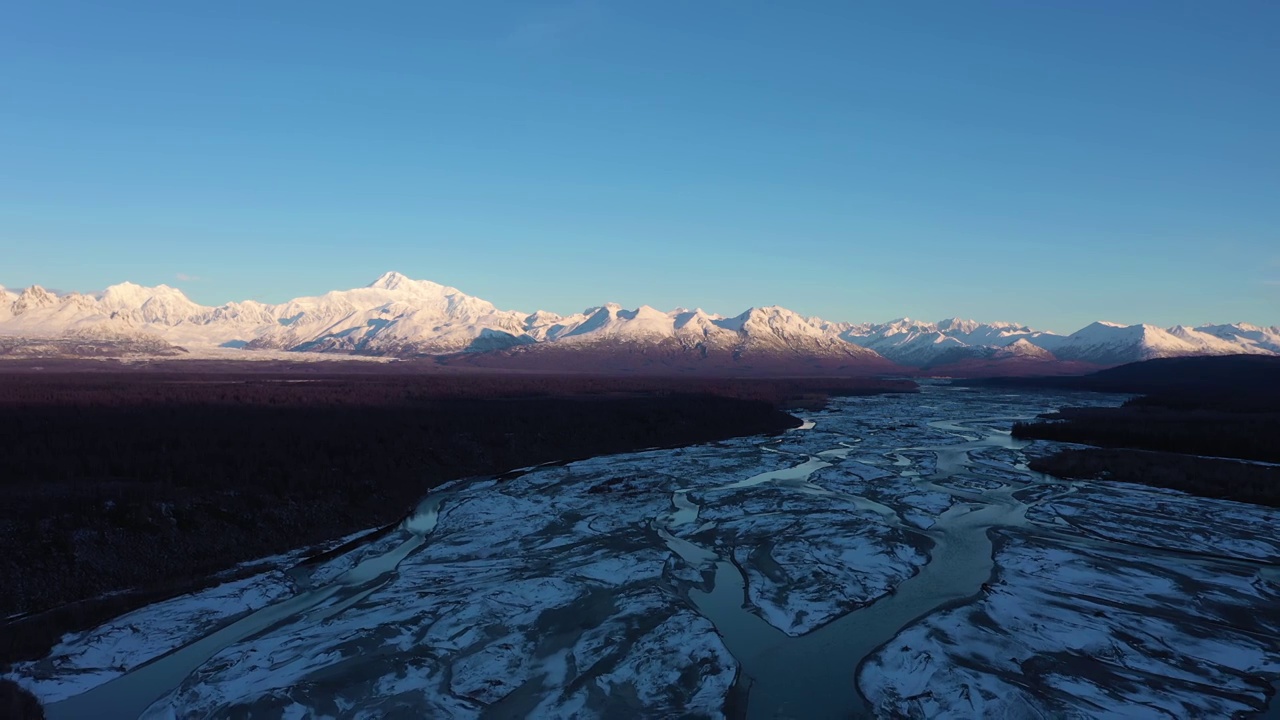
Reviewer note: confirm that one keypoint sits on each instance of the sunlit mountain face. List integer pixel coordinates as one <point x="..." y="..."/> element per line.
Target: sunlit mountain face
<point x="399" y="317"/>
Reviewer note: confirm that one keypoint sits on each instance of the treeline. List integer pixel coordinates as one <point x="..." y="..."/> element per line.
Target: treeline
<point x="325" y="387"/>
<point x="1167" y="426"/>
<point x="1221" y="407"/>
<point x="1259" y="484"/>
<point x="1238" y="381"/>
<point x="153" y="481"/>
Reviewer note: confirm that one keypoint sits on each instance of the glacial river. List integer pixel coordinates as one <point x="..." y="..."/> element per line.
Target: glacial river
<point x="894" y="557"/>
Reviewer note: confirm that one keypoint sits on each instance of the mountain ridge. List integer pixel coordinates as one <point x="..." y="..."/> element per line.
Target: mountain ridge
<point x="399" y="316"/>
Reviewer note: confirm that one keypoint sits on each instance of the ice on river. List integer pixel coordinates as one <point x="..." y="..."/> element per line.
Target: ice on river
<point x="1141" y="516"/>
<point x="85" y="660"/>
<point x="1087" y="631"/>
<point x="663" y="582"/>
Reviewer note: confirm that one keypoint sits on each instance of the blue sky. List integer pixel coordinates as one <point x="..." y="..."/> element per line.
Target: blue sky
<point x="1047" y="162"/>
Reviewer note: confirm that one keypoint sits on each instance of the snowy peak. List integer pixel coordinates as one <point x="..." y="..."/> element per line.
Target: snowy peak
<point x="1109" y="343"/>
<point x="645" y="324"/>
<point x="7" y="299"/>
<point x="775" y="322"/>
<point x="957" y="325"/>
<point x="1235" y="338"/>
<point x="396" y="282"/>
<point x="777" y="330"/>
<point x="33" y="298"/>
<point x="389" y="281"/>
<point x="924" y="344"/>
<point x="160" y="304"/>
<point x="38" y="323"/>
<point x="394" y="315"/>
<point x="1024" y="348"/>
<point x="133" y="295"/>
<point x="694" y="323"/>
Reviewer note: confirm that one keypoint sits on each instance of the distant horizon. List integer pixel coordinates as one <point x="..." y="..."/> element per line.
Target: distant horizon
<point x="1047" y="163"/>
<point x="177" y="285"/>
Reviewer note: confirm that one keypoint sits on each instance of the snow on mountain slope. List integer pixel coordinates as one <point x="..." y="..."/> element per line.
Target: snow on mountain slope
<point x="161" y="304"/>
<point x="1024" y="348"/>
<point x="997" y="334"/>
<point x="1113" y="344"/>
<point x="394" y="315"/>
<point x="37" y="323"/>
<point x="1237" y="338"/>
<point x="33" y="298"/>
<point x="397" y="316"/>
<point x="7" y="299"/>
<point x="543" y="325"/>
<point x="947" y="342"/>
<point x="778" y="330"/>
<point x="36" y="312"/>
<point x="611" y="322"/>
<point x="759" y="341"/>
<point x="758" y="330"/>
<point x="912" y="342"/>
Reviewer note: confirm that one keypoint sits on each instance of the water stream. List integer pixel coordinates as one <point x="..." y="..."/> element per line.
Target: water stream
<point x="812" y="676"/>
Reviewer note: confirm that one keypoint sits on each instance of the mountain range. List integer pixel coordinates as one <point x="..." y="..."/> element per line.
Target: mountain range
<point x="399" y="317"/>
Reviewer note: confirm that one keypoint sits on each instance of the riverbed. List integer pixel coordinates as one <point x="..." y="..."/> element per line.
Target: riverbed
<point x="894" y="557"/>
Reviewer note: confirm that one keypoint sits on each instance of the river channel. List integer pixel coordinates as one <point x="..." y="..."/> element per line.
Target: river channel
<point x="894" y="557"/>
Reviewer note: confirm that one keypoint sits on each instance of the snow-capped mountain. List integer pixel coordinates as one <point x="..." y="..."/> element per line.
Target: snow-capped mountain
<point x="766" y="330"/>
<point x="1022" y="348"/>
<point x="398" y="316"/>
<point x="7" y="299"/>
<point x="395" y="315"/>
<point x="607" y="338"/>
<point x="37" y="322"/>
<point x="38" y="312"/>
<point x="1241" y="337"/>
<point x="1110" y="343"/>
<point x="925" y="344"/>
<point x="159" y="305"/>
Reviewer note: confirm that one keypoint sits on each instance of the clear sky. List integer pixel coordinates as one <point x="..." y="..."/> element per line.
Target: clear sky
<point x="1046" y="162"/>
